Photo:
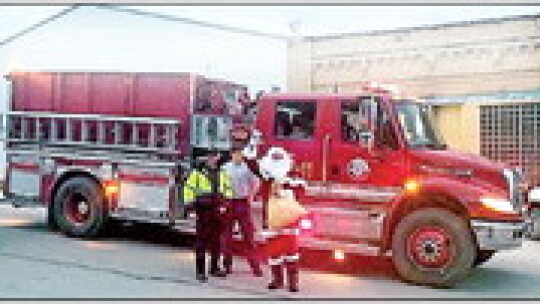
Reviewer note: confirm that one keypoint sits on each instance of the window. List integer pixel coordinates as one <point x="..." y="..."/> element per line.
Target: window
<point x="384" y="131"/>
<point x="417" y="126"/>
<point x="295" y="119"/>
<point x="364" y="118"/>
<point x="354" y="120"/>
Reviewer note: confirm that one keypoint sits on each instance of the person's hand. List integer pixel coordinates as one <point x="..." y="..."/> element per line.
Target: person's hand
<point x="222" y="210"/>
<point x="223" y="206"/>
<point x="266" y="234"/>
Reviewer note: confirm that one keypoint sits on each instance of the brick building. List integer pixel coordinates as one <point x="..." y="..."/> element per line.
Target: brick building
<point x="482" y="78"/>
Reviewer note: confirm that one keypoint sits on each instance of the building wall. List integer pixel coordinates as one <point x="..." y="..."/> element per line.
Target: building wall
<point x="438" y="60"/>
<point x="458" y="125"/>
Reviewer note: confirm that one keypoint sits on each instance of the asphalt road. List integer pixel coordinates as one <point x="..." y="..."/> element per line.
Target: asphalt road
<point x="145" y="262"/>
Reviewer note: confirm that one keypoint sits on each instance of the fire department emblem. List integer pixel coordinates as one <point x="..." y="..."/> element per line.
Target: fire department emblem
<point x="358" y="168"/>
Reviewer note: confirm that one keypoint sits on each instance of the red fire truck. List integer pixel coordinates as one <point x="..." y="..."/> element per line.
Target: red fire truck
<point x="378" y="179"/>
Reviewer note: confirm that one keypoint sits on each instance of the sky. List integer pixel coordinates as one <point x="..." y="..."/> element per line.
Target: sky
<point x="312" y="20"/>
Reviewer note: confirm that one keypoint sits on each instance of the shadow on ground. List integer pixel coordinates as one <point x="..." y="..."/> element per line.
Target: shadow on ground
<point x="494" y="281"/>
<point x="161" y="235"/>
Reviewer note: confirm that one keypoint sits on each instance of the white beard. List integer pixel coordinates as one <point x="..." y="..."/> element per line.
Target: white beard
<point x="277" y="169"/>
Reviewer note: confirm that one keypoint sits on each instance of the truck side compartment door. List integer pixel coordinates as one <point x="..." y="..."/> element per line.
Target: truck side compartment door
<point x="23" y="179"/>
<point x="146" y="192"/>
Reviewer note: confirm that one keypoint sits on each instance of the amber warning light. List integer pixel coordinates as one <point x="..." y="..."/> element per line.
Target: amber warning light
<point x="412" y="186"/>
<point x="111" y="187"/>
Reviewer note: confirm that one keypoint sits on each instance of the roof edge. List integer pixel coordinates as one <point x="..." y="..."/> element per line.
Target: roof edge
<point x="425" y="27"/>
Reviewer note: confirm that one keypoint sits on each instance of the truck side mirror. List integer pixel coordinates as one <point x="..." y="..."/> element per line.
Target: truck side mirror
<point x="368" y="109"/>
<point x="366" y="139"/>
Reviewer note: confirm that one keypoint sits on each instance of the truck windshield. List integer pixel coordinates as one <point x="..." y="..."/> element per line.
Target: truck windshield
<point x="417" y="126"/>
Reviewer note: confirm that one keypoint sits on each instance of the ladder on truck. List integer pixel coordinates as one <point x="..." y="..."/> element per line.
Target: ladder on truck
<point x="92" y="132"/>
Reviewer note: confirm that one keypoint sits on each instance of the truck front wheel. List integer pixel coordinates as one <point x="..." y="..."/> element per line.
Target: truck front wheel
<point x="534" y="234"/>
<point x="78" y="207"/>
<point x="433" y="247"/>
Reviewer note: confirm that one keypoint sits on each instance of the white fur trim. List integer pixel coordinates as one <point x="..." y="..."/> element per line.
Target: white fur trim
<point x="275" y="262"/>
<point x="292" y="258"/>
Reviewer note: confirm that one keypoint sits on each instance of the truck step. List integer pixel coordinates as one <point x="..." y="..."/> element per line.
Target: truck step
<point x="351" y="248"/>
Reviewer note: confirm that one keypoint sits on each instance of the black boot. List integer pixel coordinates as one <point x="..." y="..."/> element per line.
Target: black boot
<point x="200" y="264"/>
<point x="214" y="268"/>
<point x="292" y="276"/>
<point x="228" y="264"/>
<point x="218" y="273"/>
<point x="277" y="277"/>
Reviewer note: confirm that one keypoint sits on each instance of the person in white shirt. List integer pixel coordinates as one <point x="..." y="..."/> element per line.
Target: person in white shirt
<point x="245" y="184"/>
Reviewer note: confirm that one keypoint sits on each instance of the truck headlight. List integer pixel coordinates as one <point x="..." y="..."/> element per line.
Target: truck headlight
<point x="497" y="204"/>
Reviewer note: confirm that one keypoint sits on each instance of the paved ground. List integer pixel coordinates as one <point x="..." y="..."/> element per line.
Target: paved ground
<point x="141" y="262"/>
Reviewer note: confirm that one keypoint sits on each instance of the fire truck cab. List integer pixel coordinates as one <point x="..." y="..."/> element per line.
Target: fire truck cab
<point x="380" y="181"/>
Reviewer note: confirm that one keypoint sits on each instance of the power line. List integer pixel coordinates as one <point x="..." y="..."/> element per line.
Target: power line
<point x="38" y="25"/>
<point x="136" y="12"/>
<point x="214" y="26"/>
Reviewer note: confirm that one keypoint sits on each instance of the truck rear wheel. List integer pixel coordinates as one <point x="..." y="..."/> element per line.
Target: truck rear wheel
<point x="79" y="207"/>
<point x="433" y="247"/>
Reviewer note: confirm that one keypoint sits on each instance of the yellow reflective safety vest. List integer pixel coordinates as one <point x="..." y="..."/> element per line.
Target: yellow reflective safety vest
<point x="198" y="183"/>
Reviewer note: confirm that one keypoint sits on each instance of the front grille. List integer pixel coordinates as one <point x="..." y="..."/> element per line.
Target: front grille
<point x="514" y="178"/>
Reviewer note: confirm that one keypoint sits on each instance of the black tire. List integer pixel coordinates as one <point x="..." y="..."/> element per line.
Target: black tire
<point x="51" y="221"/>
<point x="80" y="224"/>
<point x="534" y="233"/>
<point x="483" y="256"/>
<point x="411" y="243"/>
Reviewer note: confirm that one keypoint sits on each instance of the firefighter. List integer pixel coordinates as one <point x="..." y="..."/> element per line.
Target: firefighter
<point x="245" y="184"/>
<point x="206" y="191"/>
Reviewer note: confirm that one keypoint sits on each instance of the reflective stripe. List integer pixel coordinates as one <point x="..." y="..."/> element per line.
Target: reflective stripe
<point x="194" y="189"/>
<point x="292" y="258"/>
<point x="374" y="194"/>
<point x="198" y="183"/>
<point x="268" y="234"/>
<point x="290" y="231"/>
<point x="225" y="184"/>
<point x="274" y="262"/>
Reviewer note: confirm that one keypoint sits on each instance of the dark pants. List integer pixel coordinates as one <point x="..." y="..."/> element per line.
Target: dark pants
<point x="239" y="212"/>
<point x="208" y="239"/>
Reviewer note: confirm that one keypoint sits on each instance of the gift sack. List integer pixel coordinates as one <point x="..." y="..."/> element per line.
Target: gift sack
<point x="284" y="210"/>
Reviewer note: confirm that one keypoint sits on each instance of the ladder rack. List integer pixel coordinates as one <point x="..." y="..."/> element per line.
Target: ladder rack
<point x="128" y="134"/>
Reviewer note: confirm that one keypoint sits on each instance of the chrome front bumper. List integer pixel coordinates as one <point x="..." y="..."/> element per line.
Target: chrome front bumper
<point x="498" y="235"/>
